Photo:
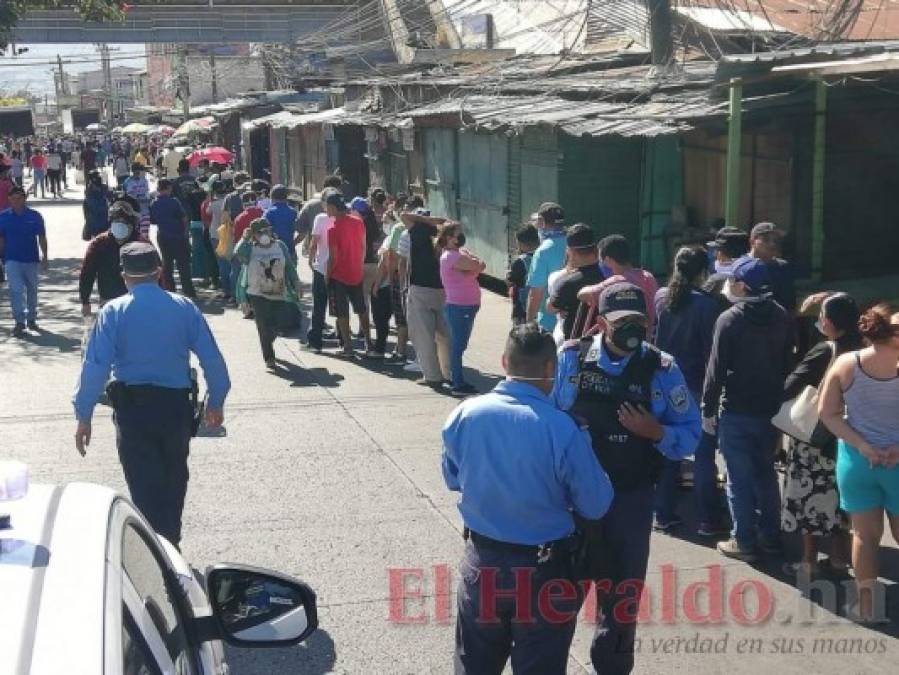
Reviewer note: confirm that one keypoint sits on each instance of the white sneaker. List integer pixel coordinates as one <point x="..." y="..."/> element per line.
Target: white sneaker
<point x="412" y="367"/>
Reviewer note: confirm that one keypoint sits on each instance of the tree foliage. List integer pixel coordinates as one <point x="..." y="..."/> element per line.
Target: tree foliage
<point x="93" y="10"/>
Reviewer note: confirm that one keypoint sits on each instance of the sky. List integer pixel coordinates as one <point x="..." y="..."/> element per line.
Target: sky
<point x="33" y="69"/>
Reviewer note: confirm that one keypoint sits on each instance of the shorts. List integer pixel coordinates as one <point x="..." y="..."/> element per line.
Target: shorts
<point x="863" y="488"/>
<point x="341" y="296"/>
<point x="398" y="304"/>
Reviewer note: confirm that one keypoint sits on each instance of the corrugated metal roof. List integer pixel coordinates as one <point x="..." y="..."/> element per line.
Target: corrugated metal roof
<point x="727" y="20"/>
<point x="825" y="49"/>
<point x="576" y="118"/>
<point x="336" y="116"/>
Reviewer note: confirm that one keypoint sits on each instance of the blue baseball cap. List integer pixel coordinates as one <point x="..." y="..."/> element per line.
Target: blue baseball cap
<point x="359" y="205"/>
<point x="754" y="273"/>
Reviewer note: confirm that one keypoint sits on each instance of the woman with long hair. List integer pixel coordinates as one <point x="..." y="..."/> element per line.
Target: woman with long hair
<point x="459" y="270"/>
<point x="811" y="500"/>
<point x="859" y="404"/>
<point x="685" y="324"/>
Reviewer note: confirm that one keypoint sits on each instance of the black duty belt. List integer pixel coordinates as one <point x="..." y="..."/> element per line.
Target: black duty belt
<point x="567" y="544"/>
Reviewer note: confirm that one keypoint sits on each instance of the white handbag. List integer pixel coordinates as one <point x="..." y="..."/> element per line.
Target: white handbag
<point x="799" y="418"/>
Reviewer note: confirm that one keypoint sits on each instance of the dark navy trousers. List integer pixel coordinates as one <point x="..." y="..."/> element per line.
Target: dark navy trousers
<point x="534" y="629"/>
<point x="624" y="552"/>
<point x="153" y="431"/>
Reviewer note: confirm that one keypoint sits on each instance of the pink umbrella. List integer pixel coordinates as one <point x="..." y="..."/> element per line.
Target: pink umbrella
<point x="215" y="154"/>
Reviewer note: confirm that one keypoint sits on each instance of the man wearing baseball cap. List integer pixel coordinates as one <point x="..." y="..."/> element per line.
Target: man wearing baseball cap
<point x="751" y="357"/>
<point x="145" y="339"/>
<point x="765" y="240"/>
<point x="549" y="257"/>
<point x="638" y="410"/>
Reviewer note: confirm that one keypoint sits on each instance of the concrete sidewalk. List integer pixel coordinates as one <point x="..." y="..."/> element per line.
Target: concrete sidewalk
<point x="330" y="470"/>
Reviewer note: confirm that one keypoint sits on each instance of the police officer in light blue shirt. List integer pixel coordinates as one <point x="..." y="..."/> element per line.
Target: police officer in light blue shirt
<point x="524" y="468"/>
<point x="638" y="410"/>
<point x="145" y="338"/>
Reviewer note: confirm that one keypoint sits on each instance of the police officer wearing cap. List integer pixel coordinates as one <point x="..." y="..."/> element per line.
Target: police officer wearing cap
<point x="638" y="410"/>
<point x="145" y="338"/>
<point x="523" y="468"/>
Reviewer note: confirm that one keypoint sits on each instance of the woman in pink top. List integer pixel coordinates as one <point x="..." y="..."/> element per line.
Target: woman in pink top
<point x="459" y="270"/>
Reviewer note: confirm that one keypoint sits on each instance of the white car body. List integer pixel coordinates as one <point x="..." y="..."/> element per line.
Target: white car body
<point x="66" y="592"/>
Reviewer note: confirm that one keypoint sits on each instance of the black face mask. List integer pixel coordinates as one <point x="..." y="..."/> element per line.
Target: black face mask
<point x="629" y="336"/>
<point x="460" y="239"/>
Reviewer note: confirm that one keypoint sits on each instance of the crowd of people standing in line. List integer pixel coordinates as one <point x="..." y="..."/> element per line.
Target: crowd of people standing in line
<point x="702" y="364"/>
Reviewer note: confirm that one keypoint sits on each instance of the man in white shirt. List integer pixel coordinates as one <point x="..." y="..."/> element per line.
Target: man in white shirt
<point x="318" y="261"/>
<point x="170" y="162"/>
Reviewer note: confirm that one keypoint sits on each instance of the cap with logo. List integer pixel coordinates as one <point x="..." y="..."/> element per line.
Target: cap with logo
<point x="620" y="300"/>
<point x="754" y="273"/>
<point x="139" y="259"/>
<point x="551" y="213"/>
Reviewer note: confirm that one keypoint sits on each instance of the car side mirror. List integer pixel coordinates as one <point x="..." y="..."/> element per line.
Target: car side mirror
<point x="255" y="607"/>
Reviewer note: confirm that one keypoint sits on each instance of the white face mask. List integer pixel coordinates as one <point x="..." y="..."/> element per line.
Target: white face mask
<point x="120" y="230"/>
<point x="728" y="293"/>
<point x="265" y="240"/>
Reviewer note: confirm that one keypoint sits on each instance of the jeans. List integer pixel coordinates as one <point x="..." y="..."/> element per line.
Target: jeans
<point x="22" y="278"/>
<point x="460" y="319"/>
<point x="488" y="634"/>
<point x="748" y="445"/>
<point x="176" y="252"/>
<point x="225" y="281"/>
<point x="319" y="307"/>
<point x="39" y="176"/>
<point x="705" y="486"/>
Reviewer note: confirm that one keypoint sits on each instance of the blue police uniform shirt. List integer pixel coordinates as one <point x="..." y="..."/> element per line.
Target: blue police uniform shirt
<point x="284" y="221"/>
<point x="21" y="232"/>
<point x="146" y="337"/>
<point x="672" y="404"/>
<point x="521" y="465"/>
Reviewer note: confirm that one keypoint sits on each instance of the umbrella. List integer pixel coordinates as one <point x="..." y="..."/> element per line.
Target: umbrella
<point x="117" y="130"/>
<point x="214" y="154"/>
<point x="199" y="125"/>
<point x="165" y="130"/>
<point x="135" y="128"/>
<point x="96" y="126"/>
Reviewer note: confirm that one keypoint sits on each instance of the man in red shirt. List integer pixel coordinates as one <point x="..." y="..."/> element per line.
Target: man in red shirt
<point x="250" y="213"/>
<point x="346" y="248"/>
<point x="5" y="186"/>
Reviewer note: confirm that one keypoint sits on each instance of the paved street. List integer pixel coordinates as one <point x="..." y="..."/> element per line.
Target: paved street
<point x="330" y="471"/>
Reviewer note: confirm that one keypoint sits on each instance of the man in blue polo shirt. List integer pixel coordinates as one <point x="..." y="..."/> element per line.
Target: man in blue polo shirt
<point x="548" y="258"/>
<point x="22" y="232"/>
<point x="167" y="213"/>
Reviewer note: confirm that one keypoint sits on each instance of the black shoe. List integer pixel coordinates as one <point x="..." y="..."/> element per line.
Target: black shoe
<point x="19" y="329"/>
<point x="666" y="526"/>
<point x="32" y="325"/>
<point x="767" y="547"/>
<point x="463" y="390"/>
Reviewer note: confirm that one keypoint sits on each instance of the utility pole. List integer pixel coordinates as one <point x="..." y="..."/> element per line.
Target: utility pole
<point x="183" y="83"/>
<point x="215" y="84"/>
<point x="107" y="85"/>
<point x="661" y="44"/>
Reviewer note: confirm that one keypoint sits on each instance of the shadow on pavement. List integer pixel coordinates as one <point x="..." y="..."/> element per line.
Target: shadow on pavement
<point x="306" y="377"/>
<point x="316" y="656"/>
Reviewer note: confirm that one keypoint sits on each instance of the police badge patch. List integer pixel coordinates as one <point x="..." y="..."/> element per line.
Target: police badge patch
<point x="679" y="398"/>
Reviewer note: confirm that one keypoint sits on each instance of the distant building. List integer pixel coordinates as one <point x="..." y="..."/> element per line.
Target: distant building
<point x="215" y="72"/>
<point x="129" y="87"/>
